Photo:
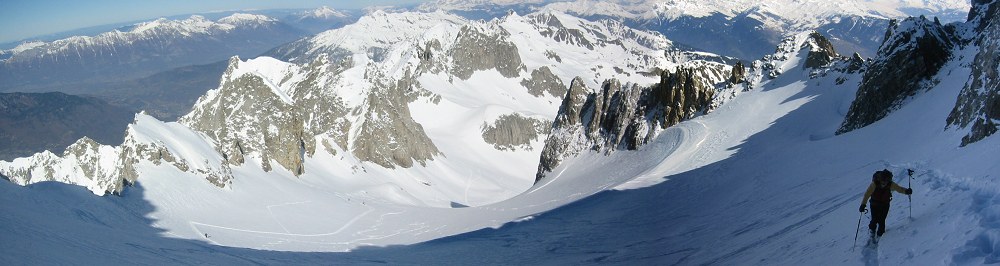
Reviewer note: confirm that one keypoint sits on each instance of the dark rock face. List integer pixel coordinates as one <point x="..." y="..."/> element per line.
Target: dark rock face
<point x="246" y="115"/>
<point x="557" y="31"/>
<point x="483" y="48"/>
<point x="392" y="138"/>
<point x="739" y="72"/>
<point x="622" y="116"/>
<point x="913" y="52"/>
<point x="978" y="103"/>
<point x="513" y="131"/>
<point x="822" y="56"/>
<point x="34" y="122"/>
<point x="542" y="81"/>
<point x="856" y="64"/>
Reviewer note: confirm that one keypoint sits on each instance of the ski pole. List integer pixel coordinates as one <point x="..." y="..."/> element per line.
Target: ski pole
<point x="858" y="229"/>
<point x="910" y="185"/>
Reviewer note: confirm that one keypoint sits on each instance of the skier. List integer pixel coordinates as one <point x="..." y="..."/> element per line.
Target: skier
<point x="880" y="194"/>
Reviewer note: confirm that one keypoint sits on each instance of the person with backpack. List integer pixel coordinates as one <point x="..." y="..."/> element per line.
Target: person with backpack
<point x="880" y="192"/>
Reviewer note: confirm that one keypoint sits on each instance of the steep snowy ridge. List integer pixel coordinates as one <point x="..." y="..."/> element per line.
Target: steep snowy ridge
<point x="371" y="35"/>
<point x="108" y="169"/>
<point x="627" y="116"/>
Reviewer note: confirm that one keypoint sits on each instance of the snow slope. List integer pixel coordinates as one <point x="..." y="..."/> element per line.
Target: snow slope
<point x="341" y="201"/>
<point x="760" y="180"/>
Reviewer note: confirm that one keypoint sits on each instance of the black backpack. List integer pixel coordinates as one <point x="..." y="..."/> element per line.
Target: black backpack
<point x="882" y="194"/>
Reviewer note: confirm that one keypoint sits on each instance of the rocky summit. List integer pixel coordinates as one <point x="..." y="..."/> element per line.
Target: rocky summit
<point x="911" y="54"/>
<point x="626" y="116"/>
<point x="979" y="102"/>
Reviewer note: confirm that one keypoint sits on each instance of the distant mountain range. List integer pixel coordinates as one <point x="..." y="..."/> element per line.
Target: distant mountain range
<point x="138" y="50"/>
<point x="743" y="29"/>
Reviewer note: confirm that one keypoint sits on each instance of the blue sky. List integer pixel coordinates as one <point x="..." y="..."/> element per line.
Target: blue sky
<point x="21" y="19"/>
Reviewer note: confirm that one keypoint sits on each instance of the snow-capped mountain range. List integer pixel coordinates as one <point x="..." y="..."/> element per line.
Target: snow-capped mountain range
<point x="345" y="140"/>
<point x="743" y="29"/>
<point x="405" y="120"/>
<point x="320" y="19"/>
<point x="139" y="50"/>
<point x="382" y="89"/>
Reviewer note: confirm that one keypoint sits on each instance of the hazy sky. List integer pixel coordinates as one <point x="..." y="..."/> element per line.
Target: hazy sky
<point x="21" y="19"/>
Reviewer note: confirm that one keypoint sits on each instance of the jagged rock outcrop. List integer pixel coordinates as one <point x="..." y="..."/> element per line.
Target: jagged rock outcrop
<point x="911" y="54"/>
<point x="513" y="131"/>
<point x="738" y="73"/>
<point x="285" y="115"/>
<point x="482" y="47"/>
<point x="250" y="114"/>
<point x="623" y="116"/>
<point x="822" y="56"/>
<point x="553" y="28"/>
<point x="819" y="51"/>
<point x="978" y="103"/>
<point x="106" y="169"/>
<point x="542" y="80"/>
<point x="856" y="63"/>
<point x="388" y="134"/>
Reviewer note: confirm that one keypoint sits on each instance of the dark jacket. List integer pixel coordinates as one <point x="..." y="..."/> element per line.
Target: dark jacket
<point x="883" y="195"/>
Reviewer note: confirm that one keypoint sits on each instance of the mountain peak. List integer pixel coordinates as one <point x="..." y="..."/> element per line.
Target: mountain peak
<point x="244" y="18"/>
<point x="324" y="12"/>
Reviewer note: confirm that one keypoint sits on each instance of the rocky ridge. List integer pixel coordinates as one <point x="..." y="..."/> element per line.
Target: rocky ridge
<point x="358" y="106"/>
<point x="978" y="104"/>
<point x="912" y="53"/>
<point x="627" y="116"/>
<point x="624" y="117"/>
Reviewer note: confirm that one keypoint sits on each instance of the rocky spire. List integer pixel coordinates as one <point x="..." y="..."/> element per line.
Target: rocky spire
<point x="623" y="116"/>
<point x="978" y="103"/>
<point x="913" y="52"/>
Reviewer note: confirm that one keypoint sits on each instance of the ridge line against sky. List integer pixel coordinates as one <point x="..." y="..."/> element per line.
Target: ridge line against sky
<point x="26" y="19"/>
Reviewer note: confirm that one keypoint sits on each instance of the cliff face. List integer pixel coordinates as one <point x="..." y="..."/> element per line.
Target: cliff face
<point x="625" y="116"/>
<point x="914" y="50"/>
<point x="978" y="104"/>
